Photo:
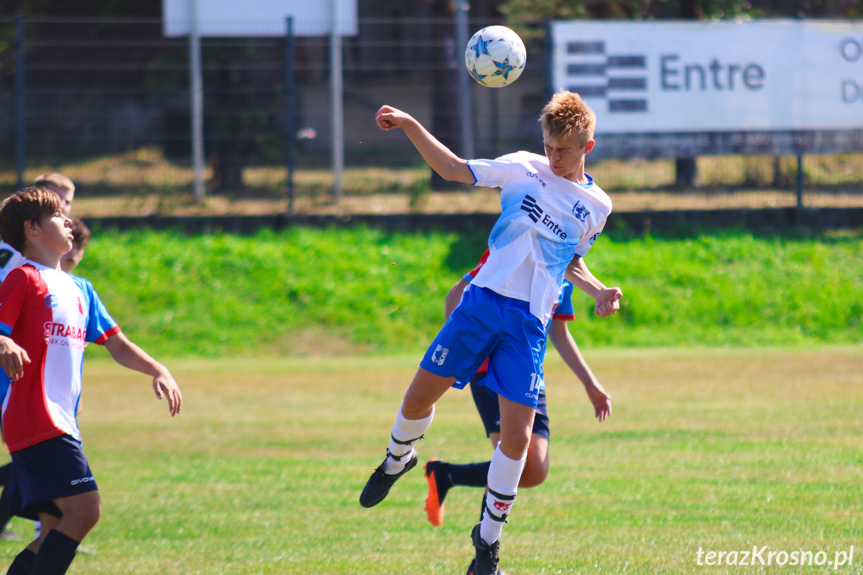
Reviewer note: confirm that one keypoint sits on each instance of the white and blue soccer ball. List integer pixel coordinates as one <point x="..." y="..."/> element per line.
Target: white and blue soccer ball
<point x="495" y="56"/>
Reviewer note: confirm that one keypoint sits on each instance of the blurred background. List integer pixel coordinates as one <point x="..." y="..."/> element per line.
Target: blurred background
<point x="101" y="93"/>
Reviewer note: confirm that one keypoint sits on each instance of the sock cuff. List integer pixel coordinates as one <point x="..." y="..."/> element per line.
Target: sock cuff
<point x="504" y="473"/>
<point x="407" y="430"/>
<point x="61" y="541"/>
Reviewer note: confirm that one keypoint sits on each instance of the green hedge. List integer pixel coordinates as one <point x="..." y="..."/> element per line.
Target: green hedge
<point x="306" y="290"/>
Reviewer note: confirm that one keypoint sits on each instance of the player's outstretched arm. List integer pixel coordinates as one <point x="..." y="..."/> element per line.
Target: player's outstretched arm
<point x="607" y="299"/>
<point x="441" y="159"/>
<point x="565" y="345"/>
<point x="12" y="358"/>
<point x="133" y="357"/>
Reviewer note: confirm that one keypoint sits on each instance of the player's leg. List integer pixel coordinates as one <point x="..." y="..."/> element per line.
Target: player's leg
<point x="536" y="464"/>
<point x="59" y="545"/>
<point x="5" y="472"/>
<point x="413" y="420"/>
<point x="538" y="461"/>
<point x="24" y="561"/>
<point x="455" y="354"/>
<point x="441" y="476"/>
<point x="504" y="475"/>
<point x="54" y="478"/>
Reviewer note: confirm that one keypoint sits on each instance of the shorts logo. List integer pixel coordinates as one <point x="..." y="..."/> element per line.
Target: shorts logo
<point x="83" y="480"/>
<point x="443" y="351"/>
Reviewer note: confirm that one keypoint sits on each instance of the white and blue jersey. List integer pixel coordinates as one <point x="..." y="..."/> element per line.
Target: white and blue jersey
<point x="545" y="221"/>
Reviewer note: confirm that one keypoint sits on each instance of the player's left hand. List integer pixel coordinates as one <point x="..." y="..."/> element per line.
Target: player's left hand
<point x="600" y="399"/>
<point x="165" y="386"/>
<point x="608" y="302"/>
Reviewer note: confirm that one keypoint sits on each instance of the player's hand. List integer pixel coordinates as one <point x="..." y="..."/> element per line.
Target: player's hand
<point x="13" y="357"/>
<point x="389" y="118"/>
<point x="165" y="386"/>
<point x="608" y="302"/>
<point x="600" y="399"/>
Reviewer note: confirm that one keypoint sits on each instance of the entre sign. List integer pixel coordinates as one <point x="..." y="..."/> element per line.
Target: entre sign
<point x="694" y="88"/>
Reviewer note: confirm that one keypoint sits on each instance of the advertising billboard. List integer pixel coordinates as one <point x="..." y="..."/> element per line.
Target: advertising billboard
<point x="694" y="88"/>
<point x="258" y="17"/>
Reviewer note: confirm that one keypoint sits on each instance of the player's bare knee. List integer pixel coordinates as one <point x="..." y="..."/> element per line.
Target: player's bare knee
<point x="515" y="447"/>
<point x="82" y="514"/>
<point x="87" y="516"/>
<point x="413" y="409"/>
<point x="533" y="475"/>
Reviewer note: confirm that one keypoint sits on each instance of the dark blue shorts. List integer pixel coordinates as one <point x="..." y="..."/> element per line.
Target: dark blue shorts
<point x="46" y="471"/>
<point x="488" y="325"/>
<point x="488" y="406"/>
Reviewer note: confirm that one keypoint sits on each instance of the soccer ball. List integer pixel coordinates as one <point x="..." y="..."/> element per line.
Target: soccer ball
<point x="495" y="56"/>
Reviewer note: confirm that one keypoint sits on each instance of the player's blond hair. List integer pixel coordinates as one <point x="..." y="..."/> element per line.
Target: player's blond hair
<point x="29" y="204"/>
<point x="53" y="180"/>
<point x="565" y="115"/>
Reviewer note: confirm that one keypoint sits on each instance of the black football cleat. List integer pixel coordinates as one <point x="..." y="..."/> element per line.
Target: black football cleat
<point x="379" y="484"/>
<point x="486" y="555"/>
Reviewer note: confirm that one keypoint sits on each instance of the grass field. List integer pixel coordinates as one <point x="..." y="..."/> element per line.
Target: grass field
<point x="355" y="291"/>
<point x="721" y="450"/>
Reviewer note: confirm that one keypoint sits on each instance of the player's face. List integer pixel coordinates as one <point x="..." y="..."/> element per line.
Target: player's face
<point x="66" y="196"/>
<point x="56" y="232"/>
<point x="566" y="155"/>
<point x="71" y="260"/>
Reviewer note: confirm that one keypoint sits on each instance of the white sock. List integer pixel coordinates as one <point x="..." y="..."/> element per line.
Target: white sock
<point x="503" y="477"/>
<point x="406" y="433"/>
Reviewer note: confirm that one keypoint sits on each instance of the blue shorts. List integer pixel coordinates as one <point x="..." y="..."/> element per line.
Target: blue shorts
<point x="46" y="471"/>
<point x="488" y="406"/>
<point x="488" y="325"/>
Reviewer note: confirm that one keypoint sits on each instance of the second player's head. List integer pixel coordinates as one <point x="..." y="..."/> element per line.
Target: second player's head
<point x="80" y="239"/>
<point x="29" y="208"/>
<point x="60" y="185"/>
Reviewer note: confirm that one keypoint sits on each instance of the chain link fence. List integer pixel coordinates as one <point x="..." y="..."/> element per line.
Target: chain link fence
<point x="108" y="103"/>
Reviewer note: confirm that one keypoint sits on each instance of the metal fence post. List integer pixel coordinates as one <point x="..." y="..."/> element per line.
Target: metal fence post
<point x="799" y="182"/>
<point x="20" y="101"/>
<point x="337" y="99"/>
<point x="290" y="111"/>
<point x="197" y="95"/>
<point x="464" y="84"/>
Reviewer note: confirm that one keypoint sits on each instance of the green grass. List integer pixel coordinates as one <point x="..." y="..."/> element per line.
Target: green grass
<point x="260" y="474"/>
<point x="332" y="291"/>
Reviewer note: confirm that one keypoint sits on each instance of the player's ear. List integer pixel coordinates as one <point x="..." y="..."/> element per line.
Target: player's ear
<point x="590" y="144"/>
<point x="31" y="227"/>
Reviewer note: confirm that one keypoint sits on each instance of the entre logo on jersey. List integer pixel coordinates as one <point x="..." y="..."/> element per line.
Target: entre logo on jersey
<point x="536" y="214"/>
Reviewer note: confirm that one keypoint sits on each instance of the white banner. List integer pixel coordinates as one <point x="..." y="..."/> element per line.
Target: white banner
<point x="769" y="77"/>
<point x="258" y="17"/>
